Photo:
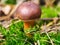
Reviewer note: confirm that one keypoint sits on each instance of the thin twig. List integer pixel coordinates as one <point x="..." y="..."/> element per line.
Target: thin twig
<point x="14" y="23"/>
<point x="48" y="35"/>
<point x="12" y="12"/>
<point x="38" y="42"/>
<point x="49" y="38"/>
<point x="35" y="43"/>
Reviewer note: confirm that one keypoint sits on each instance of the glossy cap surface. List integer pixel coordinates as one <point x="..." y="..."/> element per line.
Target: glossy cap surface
<point x="28" y="11"/>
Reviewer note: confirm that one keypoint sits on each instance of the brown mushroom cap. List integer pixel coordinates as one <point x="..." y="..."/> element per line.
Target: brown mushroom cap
<point x="28" y="11"/>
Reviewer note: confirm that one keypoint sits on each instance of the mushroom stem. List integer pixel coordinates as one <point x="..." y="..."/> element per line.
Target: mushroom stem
<point x="27" y="25"/>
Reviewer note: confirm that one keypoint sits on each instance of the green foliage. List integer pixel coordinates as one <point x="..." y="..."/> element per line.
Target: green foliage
<point x="16" y="36"/>
<point x="11" y="1"/>
<point x="49" y="12"/>
<point x="43" y="39"/>
<point x="55" y="37"/>
<point x="58" y="9"/>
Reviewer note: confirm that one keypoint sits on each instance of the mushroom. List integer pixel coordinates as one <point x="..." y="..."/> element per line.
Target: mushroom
<point x="28" y="12"/>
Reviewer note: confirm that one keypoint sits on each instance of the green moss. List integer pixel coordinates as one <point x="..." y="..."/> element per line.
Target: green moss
<point x="11" y="2"/>
<point x="49" y="12"/>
